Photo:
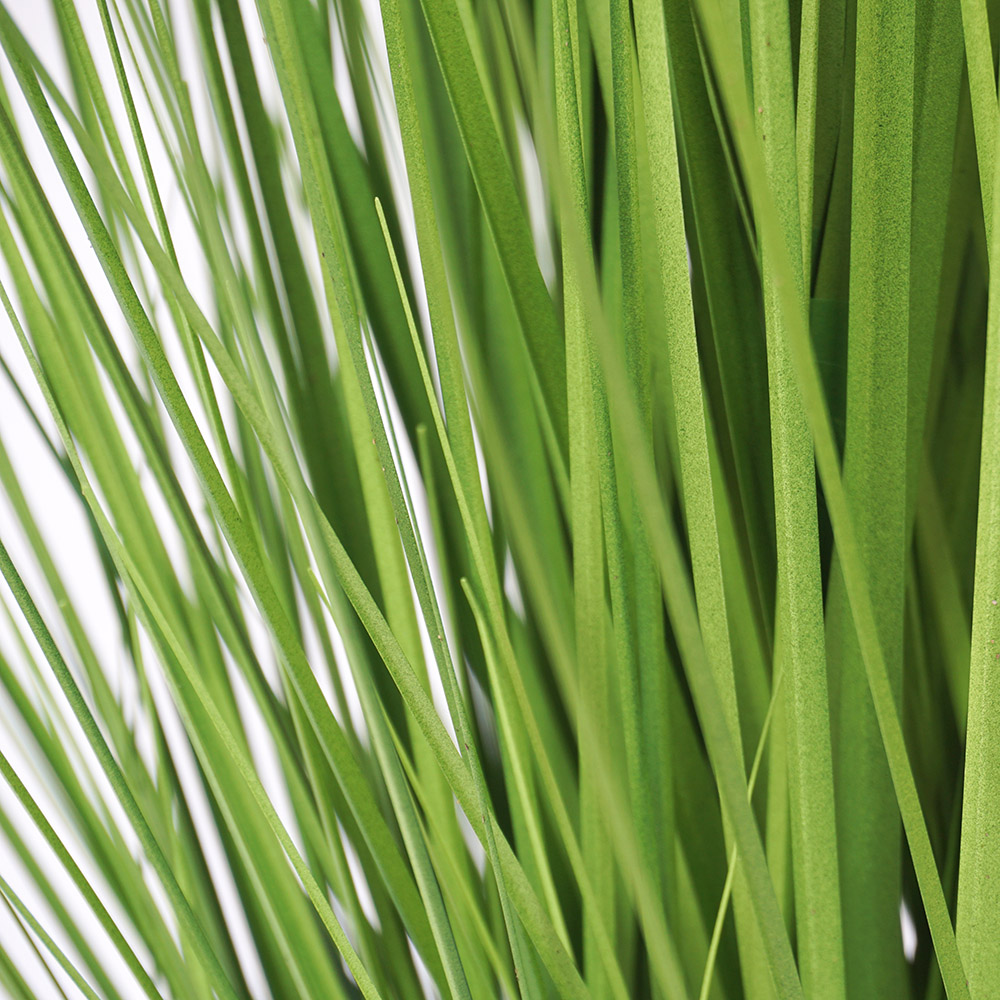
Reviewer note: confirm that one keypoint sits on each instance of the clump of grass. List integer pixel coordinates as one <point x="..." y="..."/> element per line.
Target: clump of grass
<point x="501" y="500"/>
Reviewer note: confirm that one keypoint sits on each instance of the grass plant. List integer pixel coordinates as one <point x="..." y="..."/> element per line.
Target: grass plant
<point x="501" y="499"/>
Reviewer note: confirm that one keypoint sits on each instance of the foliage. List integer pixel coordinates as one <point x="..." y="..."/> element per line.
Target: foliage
<point x="532" y="474"/>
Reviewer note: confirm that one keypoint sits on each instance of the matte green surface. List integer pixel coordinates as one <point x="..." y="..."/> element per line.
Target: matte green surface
<point x="533" y="467"/>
